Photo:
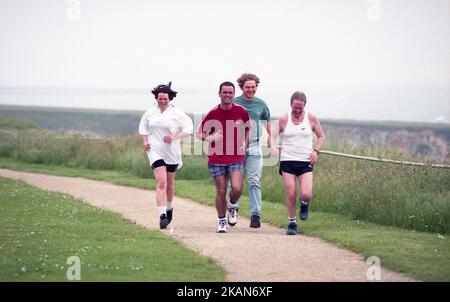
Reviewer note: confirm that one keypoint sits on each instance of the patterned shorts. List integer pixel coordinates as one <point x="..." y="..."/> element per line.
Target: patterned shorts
<point x="222" y="170"/>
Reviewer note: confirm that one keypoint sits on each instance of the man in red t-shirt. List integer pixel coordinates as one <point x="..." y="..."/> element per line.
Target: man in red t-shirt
<point x="227" y="128"/>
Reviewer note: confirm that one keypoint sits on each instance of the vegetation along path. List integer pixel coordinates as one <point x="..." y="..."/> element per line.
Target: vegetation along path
<point x="264" y="254"/>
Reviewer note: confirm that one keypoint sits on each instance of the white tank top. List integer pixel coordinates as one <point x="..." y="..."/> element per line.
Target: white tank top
<point x="297" y="140"/>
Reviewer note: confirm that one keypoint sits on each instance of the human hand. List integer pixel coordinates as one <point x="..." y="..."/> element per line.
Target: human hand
<point x="168" y="139"/>
<point x="273" y="151"/>
<point x="147" y="146"/>
<point x="215" y="136"/>
<point x="314" y="157"/>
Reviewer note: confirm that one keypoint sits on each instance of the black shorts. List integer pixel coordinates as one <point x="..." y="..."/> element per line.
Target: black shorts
<point x="160" y="163"/>
<point x="295" y="167"/>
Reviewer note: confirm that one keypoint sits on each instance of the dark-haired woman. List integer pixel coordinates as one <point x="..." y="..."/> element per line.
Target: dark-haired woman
<point x="161" y="129"/>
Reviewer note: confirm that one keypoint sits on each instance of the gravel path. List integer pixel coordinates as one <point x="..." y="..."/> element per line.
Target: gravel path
<point x="264" y="254"/>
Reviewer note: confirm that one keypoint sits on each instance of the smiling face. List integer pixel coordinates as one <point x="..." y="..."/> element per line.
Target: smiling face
<point x="226" y="95"/>
<point x="249" y="89"/>
<point x="163" y="100"/>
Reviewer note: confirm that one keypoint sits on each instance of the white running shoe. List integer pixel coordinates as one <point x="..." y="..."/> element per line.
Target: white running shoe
<point x="222" y="226"/>
<point x="232" y="216"/>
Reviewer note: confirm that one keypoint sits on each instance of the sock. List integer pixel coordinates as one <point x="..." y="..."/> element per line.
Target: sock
<point x="233" y="205"/>
<point x="223" y="219"/>
<point x="293" y="219"/>
<point x="305" y="202"/>
<point x="162" y="210"/>
<point x="169" y="205"/>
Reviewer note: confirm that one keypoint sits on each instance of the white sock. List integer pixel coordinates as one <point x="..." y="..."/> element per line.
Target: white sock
<point x="162" y="210"/>
<point x="293" y="219"/>
<point x="233" y="205"/>
<point x="304" y="202"/>
<point x="169" y="205"/>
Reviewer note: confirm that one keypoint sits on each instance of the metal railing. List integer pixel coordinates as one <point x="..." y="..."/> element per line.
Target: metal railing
<point x="370" y="158"/>
<point x="402" y="162"/>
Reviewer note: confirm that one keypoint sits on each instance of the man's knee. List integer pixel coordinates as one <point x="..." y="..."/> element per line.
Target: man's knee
<point x="236" y="189"/>
<point x="291" y="193"/>
<point x="221" y="190"/>
<point x="307" y="196"/>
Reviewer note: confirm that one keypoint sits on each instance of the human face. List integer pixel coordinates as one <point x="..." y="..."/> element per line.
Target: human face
<point x="249" y="89"/>
<point x="297" y="106"/>
<point x="163" y="100"/>
<point x="226" y="95"/>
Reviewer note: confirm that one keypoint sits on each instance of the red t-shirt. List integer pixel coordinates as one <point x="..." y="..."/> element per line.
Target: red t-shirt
<point x="231" y="124"/>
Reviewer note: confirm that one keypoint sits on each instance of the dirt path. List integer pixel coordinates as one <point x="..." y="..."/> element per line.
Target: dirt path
<point x="264" y="254"/>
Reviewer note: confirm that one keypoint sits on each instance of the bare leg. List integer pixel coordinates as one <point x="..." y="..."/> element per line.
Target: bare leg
<point x="236" y="186"/>
<point x="161" y="185"/>
<point x="170" y="186"/>
<point x="306" y="186"/>
<point x="221" y="191"/>
<point x="290" y="193"/>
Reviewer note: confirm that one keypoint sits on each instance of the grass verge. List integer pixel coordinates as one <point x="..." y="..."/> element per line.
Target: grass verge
<point x="40" y="230"/>
<point x="425" y="256"/>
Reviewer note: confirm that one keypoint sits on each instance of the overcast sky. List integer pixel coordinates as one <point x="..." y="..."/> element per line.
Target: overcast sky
<point x="361" y="59"/>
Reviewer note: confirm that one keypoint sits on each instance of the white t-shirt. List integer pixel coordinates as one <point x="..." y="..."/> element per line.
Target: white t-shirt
<point x="157" y="125"/>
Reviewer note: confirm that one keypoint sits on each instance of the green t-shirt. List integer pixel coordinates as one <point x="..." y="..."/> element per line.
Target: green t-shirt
<point x="258" y="111"/>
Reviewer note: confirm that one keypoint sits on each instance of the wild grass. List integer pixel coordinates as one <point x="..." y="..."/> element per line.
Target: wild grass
<point x="409" y="197"/>
<point x="416" y="198"/>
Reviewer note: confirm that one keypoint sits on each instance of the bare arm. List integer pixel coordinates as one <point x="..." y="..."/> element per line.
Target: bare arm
<point x="145" y="142"/>
<point x="200" y="134"/>
<point x="248" y="132"/>
<point x="208" y="137"/>
<point x="270" y="138"/>
<point x="278" y="127"/>
<point x="268" y="127"/>
<point x="318" y="131"/>
<point x="247" y="138"/>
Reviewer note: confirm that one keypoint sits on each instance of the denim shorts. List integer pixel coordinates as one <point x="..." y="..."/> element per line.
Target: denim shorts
<point x="222" y="170"/>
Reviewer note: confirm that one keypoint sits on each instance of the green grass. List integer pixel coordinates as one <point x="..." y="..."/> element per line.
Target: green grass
<point x="10" y="123"/>
<point x="410" y="197"/>
<point x="39" y="230"/>
<point x="422" y="255"/>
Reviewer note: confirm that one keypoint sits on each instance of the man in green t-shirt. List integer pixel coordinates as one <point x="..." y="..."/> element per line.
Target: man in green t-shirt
<point x="259" y="114"/>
